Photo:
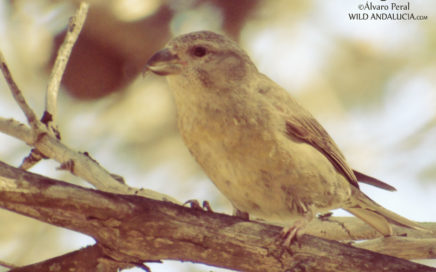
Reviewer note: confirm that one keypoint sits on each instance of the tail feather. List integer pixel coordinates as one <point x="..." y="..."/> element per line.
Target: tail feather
<point x="377" y="216"/>
<point x="373" y="219"/>
<point x="373" y="181"/>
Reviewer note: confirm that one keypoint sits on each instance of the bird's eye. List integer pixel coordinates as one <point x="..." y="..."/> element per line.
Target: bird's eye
<point x="199" y="51"/>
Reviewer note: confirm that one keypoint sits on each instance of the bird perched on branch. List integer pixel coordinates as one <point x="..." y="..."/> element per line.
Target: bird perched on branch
<point x="263" y="151"/>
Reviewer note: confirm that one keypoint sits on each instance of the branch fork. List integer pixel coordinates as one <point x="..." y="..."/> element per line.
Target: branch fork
<point x="133" y="225"/>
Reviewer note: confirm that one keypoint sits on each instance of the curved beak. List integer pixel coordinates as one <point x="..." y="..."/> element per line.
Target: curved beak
<point x="163" y="63"/>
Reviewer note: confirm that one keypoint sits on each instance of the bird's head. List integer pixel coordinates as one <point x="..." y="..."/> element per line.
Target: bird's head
<point x="204" y="57"/>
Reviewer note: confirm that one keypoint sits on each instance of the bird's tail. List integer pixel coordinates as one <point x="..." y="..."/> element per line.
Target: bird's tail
<point x="376" y="216"/>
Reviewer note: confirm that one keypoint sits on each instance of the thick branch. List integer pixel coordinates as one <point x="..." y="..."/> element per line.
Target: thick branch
<point x="133" y="229"/>
<point x="87" y="259"/>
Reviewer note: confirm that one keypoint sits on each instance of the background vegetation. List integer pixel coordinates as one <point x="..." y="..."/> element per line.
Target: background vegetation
<point x="372" y="84"/>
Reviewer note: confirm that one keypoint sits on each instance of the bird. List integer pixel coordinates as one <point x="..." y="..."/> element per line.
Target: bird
<point x="264" y="152"/>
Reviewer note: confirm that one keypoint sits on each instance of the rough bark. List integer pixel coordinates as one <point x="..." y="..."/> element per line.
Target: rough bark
<point x="130" y="230"/>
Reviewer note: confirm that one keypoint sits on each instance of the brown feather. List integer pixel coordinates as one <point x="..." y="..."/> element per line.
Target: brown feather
<point x="373" y="181"/>
<point x="369" y="211"/>
<point x="310" y="131"/>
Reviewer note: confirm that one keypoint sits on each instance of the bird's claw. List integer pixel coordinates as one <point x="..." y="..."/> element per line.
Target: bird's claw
<point x="291" y="234"/>
<point x="194" y="204"/>
<point x="325" y="216"/>
<point x="242" y="215"/>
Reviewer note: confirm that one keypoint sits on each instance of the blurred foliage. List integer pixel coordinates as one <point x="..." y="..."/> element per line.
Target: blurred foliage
<point x="371" y="84"/>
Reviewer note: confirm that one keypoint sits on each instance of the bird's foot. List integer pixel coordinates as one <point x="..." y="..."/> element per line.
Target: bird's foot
<point x="241" y="214"/>
<point x="325" y="216"/>
<point x="194" y="204"/>
<point x="293" y="233"/>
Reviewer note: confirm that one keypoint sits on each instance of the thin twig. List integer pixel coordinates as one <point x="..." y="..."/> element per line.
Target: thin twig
<point x="48" y="118"/>
<point x="7" y="265"/>
<point x="74" y="28"/>
<point x="48" y="144"/>
<point x="18" y="95"/>
<point x="16" y="129"/>
<point x="403" y="247"/>
<point x="80" y="164"/>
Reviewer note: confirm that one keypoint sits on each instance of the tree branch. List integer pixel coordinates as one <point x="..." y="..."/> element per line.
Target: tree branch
<point x="132" y="230"/>
<point x="79" y="164"/>
<point x="16" y="129"/>
<point x="48" y="144"/>
<point x="7" y="265"/>
<point x="349" y="229"/>
<point x="91" y="258"/>
<point x="74" y="28"/>
<point x="18" y="95"/>
<point x="403" y="247"/>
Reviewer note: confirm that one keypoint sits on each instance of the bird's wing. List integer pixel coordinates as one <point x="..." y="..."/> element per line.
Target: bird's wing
<point x="304" y="127"/>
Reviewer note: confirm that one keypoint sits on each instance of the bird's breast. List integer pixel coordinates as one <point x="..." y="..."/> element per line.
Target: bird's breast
<point x="247" y="155"/>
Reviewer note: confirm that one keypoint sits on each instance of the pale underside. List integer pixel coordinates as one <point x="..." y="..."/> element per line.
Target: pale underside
<point x="249" y="155"/>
